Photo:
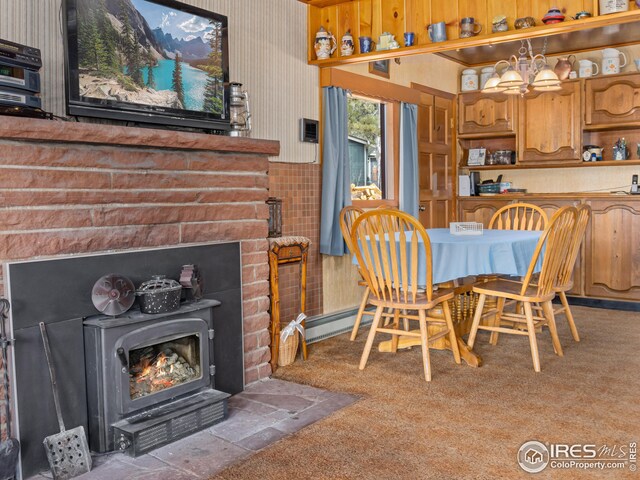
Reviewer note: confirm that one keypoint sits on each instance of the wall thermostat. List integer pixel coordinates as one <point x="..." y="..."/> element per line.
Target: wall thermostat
<point x="308" y="130"/>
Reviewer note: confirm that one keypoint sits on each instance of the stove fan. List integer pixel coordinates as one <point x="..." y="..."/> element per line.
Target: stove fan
<point x="113" y="294"/>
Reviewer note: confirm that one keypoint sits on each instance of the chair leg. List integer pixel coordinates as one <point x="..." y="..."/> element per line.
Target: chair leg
<point x="424" y="340"/>
<point x="363" y="305"/>
<point x="476" y="320"/>
<point x="396" y="325"/>
<point x="531" y="330"/>
<point x="372" y="334"/>
<point x="493" y="340"/>
<point x="551" y="321"/>
<point x="453" y="339"/>
<point x="569" y="315"/>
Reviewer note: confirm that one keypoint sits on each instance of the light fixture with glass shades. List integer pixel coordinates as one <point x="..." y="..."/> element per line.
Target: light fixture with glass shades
<point x="520" y="73"/>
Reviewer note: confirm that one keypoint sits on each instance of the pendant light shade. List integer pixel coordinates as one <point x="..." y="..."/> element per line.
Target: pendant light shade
<point x="546" y="78"/>
<point x="492" y="85"/>
<point x="511" y="78"/>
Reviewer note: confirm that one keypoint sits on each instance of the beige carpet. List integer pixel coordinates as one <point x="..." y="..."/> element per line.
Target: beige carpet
<point x="467" y="423"/>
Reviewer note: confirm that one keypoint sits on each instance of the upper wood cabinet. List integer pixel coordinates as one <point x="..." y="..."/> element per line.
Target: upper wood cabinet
<point x="612" y="101"/>
<point x="482" y="114"/>
<point x="550" y="127"/>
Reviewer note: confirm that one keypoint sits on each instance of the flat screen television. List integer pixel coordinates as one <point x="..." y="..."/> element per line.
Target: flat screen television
<point x="147" y="61"/>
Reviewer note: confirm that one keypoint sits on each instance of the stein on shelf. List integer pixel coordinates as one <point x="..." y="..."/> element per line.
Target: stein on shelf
<point x="325" y="44"/>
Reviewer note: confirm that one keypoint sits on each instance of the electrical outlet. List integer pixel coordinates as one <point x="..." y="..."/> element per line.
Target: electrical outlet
<point x="634" y="185"/>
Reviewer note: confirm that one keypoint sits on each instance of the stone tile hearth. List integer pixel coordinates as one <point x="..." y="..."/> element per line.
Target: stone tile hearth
<point x="264" y="413"/>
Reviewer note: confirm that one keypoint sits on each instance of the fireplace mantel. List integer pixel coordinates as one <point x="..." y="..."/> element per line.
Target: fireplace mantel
<point x="28" y="129"/>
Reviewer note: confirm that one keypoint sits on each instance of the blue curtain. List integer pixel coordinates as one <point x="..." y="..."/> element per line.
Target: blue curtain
<point x="409" y="179"/>
<point x="336" y="191"/>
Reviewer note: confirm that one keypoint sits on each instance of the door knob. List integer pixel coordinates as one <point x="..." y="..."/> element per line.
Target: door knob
<point x="422" y="208"/>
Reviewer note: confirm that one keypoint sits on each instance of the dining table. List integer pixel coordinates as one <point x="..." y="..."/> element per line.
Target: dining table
<point x="457" y="262"/>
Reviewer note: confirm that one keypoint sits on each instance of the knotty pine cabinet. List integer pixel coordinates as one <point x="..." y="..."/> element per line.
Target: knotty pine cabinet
<point x="550" y="126"/>
<point x="612" y="249"/>
<point x="608" y="266"/>
<point x="612" y="101"/>
<point x="482" y="114"/>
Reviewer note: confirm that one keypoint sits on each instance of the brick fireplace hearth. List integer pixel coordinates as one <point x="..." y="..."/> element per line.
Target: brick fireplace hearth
<point x="74" y="188"/>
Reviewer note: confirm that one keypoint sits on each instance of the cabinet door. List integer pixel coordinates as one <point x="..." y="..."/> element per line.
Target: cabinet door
<point x="550" y="206"/>
<point x="612" y="258"/>
<point x="549" y="127"/>
<point x="613" y="101"/>
<point x="479" y="209"/>
<point x="480" y="113"/>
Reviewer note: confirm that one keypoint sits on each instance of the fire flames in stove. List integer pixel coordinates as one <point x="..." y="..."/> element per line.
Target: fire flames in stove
<point x="155" y="368"/>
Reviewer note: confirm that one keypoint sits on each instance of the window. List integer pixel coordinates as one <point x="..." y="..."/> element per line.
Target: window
<point x="367" y="126"/>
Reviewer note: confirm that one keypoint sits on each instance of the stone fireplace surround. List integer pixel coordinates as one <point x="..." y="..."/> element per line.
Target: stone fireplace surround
<point x="73" y="188"/>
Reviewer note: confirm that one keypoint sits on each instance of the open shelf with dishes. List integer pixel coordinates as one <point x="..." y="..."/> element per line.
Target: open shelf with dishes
<point x="373" y="18"/>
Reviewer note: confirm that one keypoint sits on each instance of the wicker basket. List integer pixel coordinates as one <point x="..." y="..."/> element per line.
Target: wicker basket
<point x="288" y="350"/>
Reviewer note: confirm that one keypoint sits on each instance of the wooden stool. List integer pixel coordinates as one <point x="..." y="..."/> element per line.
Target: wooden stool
<point x="284" y="250"/>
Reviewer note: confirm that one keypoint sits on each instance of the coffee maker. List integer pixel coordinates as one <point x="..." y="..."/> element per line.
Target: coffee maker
<point x="239" y="111"/>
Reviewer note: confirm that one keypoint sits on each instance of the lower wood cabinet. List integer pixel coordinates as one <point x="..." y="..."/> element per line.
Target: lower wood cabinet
<point x="612" y="254"/>
<point x="608" y="266"/>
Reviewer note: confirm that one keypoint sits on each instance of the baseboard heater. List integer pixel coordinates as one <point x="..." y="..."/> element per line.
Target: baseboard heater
<point x="322" y="327"/>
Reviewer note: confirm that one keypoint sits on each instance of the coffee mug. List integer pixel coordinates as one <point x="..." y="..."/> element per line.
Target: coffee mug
<point x="468" y="27"/>
<point x="587" y="68"/>
<point x="611" y="61"/>
<point x="366" y="44"/>
<point x="409" y="38"/>
<point x="437" y="32"/>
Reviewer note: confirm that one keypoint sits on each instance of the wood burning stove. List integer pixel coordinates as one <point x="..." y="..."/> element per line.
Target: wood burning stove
<point x="151" y="378"/>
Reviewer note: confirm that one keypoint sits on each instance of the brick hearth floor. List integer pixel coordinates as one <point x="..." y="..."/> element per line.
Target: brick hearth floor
<point x="261" y="415"/>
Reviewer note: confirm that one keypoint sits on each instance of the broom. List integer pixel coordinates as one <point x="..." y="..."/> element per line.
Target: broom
<point x="10" y="447"/>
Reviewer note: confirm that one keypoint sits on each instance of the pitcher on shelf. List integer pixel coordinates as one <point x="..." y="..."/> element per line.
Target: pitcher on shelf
<point x="325" y="44"/>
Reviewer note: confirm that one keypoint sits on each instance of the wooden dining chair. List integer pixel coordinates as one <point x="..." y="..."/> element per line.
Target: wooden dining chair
<point x="565" y="278"/>
<point x="555" y="242"/>
<point x="391" y="272"/>
<point x="347" y="217"/>
<point x="519" y="216"/>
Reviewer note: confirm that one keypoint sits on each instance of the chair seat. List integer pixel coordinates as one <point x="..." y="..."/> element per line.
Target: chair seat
<point x="511" y="289"/>
<point x="420" y="303"/>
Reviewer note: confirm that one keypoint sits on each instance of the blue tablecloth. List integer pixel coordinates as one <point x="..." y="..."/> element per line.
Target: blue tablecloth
<point x="503" y="252"/>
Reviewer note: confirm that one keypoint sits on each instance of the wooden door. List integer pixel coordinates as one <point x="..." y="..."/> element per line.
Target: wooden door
<point x="612" y="254"/>
<point x="480" y="114"/>
<point x="613" y="101"/>
<point x="435" y="157"/>
<point x="549" y="126"/>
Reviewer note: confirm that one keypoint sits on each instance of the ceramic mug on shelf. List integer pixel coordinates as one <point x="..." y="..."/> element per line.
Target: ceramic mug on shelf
<point x="611" y="61"/>
<point x="437" y="32"/>
<point x="366" y="44"/>
<point x="409" y="38"/>
<point x="587" y="68"/>
<point x="468" y="27"/>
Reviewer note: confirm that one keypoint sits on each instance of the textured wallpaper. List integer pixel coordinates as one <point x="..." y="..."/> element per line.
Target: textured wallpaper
<point x="267" y="46"/>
